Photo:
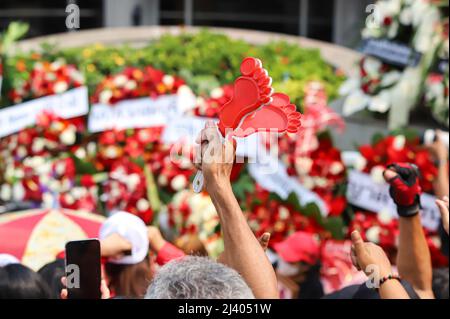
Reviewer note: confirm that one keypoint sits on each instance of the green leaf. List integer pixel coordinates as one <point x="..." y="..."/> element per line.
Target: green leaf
<point x="84" y="168"/>
<point x="15" y="31"/>
<point x="152" y="190"/>
<point x="335" y="226"/>
<point x="377" y="137"/>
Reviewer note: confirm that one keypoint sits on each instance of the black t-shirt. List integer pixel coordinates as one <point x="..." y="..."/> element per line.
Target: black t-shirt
<point x="363" y="292"/>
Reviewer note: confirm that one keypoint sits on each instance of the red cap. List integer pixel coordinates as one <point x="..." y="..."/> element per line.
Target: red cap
<point x="300" y="246"/>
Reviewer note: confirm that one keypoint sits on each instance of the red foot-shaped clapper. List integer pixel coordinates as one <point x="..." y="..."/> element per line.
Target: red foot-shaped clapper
<point x="251" y="91"/>
<point x="279" y="116"/>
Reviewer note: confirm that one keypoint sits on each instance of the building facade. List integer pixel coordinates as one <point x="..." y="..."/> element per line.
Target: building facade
<point x="337" y="21"/>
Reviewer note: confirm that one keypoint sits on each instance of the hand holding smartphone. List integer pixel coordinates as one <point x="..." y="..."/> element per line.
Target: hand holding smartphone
<point x="83" y="272"/>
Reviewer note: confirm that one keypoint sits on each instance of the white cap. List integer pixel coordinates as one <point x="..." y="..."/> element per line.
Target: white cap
<point x="131" y="228"/>
<point x="7" y="259"/>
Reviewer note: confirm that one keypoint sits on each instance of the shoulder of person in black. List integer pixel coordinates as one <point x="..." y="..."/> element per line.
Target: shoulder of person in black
<point x="363" y="292"/>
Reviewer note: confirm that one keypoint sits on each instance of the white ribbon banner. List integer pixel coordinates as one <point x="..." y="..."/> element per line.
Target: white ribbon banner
<point x="363" y="192"/>
<point x="185" y="129"/>
<point x="273" y="177"/>
<point x="139" y="113"/>
<point x="70" y="104"/>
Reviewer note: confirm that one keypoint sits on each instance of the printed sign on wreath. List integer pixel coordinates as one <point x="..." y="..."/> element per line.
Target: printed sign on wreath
<point x="70" y="104"/>
<point x="364" y="192"/>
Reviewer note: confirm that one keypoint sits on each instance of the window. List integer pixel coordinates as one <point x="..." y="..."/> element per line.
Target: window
<point x="48" y="17"/>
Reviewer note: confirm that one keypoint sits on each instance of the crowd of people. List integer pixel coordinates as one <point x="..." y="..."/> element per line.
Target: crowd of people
<point x="137" y="262"/>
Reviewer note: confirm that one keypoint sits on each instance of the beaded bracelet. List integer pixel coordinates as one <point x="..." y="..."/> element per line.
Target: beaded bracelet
<point x="390" y="277"/>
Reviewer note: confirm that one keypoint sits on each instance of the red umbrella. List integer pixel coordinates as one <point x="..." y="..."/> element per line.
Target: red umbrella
<point x="36" y="236"/>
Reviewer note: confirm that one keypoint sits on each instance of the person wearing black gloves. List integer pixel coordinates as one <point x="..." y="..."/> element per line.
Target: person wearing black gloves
<point x="413" y="259"/>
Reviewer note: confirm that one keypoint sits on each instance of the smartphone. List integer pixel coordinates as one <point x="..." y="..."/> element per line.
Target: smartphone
<point x="83" y="270"/>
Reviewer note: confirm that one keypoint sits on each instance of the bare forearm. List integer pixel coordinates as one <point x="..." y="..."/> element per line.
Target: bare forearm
<point x="441" y="184"/>
<point x="393" y="289"/>
<point x="243" y="252"/>
<point x="414" y="260"/>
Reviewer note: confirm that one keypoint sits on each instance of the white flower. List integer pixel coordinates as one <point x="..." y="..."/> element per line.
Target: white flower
<point x="185" y="163"/>
<point x="132" y="181"/>
<point x="105" y="96"/>
<point x="393" y="30"/>
<point x="283" y="212"/>
<point x="60" y="87"/>
<point x="22" y="151"/>
<point x="373" y="234"/>
<point x="111" y="152"/>
<point x="377" y="174"/>
<point x="18" y="192"/>
<point x="115" y="191"/>
<point x="13" y="142"/>
<point x="406" y="16"/>
<point x="54" y="185"/>
<point x="320" y="182"/>
<point x="19" y="173"/>
<point x="393" y="7"/>
<point x="350" y="85"/>
<point x="50" y="76"/>
<point x="68" y="136"/>
<point x="303" y="165"/>
<point x="201" y="104"/>
<point x="217" y="93"/>
<point x="355" y="102"/>
<point x="44" y="179"/>
<point x="336" y="168"/>
<point x="372" y="32"/>
<point x="78" y="192"/>
<point x="119" y="174"/>
<point x="43" y="168"/>
<point x="381" y="103"/>
<point x="9" y="171"/>
<point x="38" y="145"/>
<point x="142" y="205"/>
<point x="184" y="90"/>
<point x="385" y="216"/>
<point x="130" y="85"/>
<point x="66" y="185"/>
<point x="308" y="182"/>
<point x="354" y="159"/>
<point x="372" y="66"/>
<point x="120" y="80"/>
<point x="168" y="80"/>
<point x="425" y="36"/>
<point x="57" y="64"/>
<point x="6" y="192"/>
<point x="80" y="153"/>
<point x="390" y="78"/>
<point x="91" y="148"/>
<point x="162" y="180"/>
<point x="77" y="76"/>
<point x="69" y="199"/>
<point x="60" y="168"/>
<point x="399" y="142"/>
<point x="33" y="162"/>
<point x="179" y="182"/>
<point x="360" y="163"/>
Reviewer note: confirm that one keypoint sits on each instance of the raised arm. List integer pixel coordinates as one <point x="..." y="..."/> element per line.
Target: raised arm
<point x="440" y="154"/>
<point x="369" y="257"/>
<point x="243" y="252"/>
<point x="413" y="259"/>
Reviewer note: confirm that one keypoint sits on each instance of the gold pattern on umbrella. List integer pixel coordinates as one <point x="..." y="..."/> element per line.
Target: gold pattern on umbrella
<point x="47" y="232"/>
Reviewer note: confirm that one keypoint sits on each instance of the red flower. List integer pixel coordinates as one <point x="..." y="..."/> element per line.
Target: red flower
<point x="387" y="21"/>
<point x="87" y="181"/>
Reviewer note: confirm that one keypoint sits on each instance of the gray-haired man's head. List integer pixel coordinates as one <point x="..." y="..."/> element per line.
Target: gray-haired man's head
<point x="198" y="278"/>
